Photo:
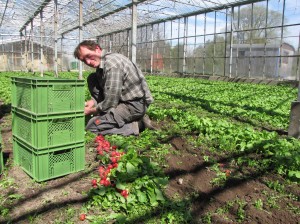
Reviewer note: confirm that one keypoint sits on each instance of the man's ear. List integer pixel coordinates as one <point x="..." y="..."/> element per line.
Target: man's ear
<point x="98" y="49"/>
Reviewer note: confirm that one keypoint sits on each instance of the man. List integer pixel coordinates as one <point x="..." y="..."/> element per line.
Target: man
<point x="120" y="94"/>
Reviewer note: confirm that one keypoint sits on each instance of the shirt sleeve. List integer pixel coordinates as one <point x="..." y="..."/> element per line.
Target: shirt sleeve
<point x="113" y="73"/>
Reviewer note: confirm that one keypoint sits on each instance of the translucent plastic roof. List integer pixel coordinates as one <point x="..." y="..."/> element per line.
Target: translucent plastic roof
<point x="100" y="17"/>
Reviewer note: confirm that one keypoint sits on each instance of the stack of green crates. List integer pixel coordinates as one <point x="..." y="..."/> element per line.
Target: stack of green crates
<point x="48" y="126"/>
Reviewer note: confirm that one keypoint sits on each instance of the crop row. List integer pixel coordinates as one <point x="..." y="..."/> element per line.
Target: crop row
<point x="260" y="105"/>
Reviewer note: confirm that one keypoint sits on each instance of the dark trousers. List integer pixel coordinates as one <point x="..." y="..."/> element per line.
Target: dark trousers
<point x="120" y="120"/>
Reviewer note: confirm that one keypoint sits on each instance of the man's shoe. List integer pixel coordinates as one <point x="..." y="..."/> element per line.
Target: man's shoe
<point x="135" y="128"/>
<point x="147" y="123"/>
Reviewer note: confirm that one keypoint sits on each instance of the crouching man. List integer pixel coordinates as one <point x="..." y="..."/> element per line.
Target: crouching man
<point x="120" y="94"/>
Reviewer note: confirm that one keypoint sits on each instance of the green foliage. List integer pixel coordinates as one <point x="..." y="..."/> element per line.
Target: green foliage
<point x="185" y="101"/>
<point x="258" y="204"/>
<point x="136" y="174"/>
<point x="89" y="137"/>
<point x="9" y="198"/>
<point x="5" y="83"/>
<point x="226" y="118"/>
<point x="269" y="106"/>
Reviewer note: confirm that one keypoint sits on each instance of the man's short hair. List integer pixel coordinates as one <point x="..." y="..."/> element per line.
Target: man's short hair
<point x="89" y="44"/>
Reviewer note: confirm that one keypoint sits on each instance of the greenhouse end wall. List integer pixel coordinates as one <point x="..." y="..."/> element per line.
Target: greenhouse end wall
<point x="256" y="40"/>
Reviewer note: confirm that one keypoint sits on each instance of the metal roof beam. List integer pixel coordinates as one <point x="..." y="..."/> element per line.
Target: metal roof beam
<point x="40" y="8"/>
<point x="103" y="16"/>
<point x="212" y="9"/>
<point x="202" y="11"/>
<point x="4" y="12"/>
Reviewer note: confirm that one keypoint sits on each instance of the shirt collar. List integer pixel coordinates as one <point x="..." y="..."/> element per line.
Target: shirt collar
<point x="103" y="52"/>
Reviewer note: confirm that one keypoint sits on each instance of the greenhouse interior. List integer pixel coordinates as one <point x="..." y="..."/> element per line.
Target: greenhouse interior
<point x="187" y="112"/>
<point x="233" y="38"/>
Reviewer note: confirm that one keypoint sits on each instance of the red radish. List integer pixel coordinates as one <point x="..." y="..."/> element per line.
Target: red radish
<point x="102" y="181"/>
<point x="113" y="159"/>
<point x="124" y="193"/>
<point x="94" y="182"/>
<point x="113" y="154"/>
<point x="107" y="183"/>
<point x="82" y="217"/>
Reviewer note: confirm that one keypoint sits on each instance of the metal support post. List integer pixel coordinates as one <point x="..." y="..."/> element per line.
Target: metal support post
<point x="134" y="31"/>
<point x="80" y="34"/>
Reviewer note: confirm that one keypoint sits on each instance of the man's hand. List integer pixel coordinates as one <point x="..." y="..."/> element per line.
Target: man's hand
<point x="89" y="108"/>
<point x="89" y="103"/>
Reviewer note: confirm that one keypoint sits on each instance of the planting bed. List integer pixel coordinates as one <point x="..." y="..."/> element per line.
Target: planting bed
<point x="205" y="183"/>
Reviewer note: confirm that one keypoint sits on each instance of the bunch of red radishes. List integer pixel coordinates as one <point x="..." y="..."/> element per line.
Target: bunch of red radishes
<point x="102" y="145"/>
<point x="104" y="148"/>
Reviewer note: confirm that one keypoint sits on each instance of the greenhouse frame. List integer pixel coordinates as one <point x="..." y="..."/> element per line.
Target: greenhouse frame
<point x="232" y="38"/>
<point x="150" y="111"/>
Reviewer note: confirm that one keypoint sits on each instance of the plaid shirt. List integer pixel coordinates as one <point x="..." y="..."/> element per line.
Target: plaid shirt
<point x="120" y="81"/>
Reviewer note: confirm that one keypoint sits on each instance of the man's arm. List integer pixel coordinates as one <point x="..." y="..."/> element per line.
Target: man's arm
<point x="113" y="85"/>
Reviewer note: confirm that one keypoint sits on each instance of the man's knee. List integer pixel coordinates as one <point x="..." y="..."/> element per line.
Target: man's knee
<point x="129" y="112"/>
<point x="91" y="125"/>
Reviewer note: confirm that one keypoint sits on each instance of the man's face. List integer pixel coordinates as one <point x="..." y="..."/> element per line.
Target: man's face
<point x="90" y="57"/>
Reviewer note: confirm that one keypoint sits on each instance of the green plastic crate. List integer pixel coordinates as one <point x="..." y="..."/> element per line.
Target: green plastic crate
<point x="47" y="95"/>
<point x="47" y="164"/>
<point x="44" y="131"/>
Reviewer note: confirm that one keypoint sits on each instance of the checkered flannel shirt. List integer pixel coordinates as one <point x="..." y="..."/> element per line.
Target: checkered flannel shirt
<point x="120" y="81"/>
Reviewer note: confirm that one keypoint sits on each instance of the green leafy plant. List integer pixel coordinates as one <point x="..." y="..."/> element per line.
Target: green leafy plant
<point x="127" y="179"/>
<point x="258" y="204"/>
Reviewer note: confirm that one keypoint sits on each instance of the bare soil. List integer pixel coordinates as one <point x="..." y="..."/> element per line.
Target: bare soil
<point x="190" y="179"/>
